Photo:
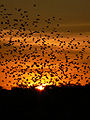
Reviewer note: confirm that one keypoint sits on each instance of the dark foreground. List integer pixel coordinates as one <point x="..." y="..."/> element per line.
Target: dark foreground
<point x="53" y="103"/>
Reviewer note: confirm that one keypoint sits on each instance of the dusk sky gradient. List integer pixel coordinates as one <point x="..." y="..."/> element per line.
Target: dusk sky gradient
<point x="72" y="11"/>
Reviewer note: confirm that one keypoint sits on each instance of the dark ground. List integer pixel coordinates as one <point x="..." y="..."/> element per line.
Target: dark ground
<point x="59" y="103"/>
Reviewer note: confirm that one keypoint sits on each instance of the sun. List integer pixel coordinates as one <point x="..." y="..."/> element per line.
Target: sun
<point x="40" y="87"/>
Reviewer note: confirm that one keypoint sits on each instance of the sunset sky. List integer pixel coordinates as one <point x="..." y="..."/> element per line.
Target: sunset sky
<point x="48" y="44"/>
<point x="72" y="11"/>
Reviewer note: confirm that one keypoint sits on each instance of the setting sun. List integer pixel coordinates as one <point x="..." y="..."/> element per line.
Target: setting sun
<point x="40" y="88"/>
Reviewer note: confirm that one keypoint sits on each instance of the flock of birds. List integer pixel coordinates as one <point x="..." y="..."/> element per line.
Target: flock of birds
<point x="32" y="53"/>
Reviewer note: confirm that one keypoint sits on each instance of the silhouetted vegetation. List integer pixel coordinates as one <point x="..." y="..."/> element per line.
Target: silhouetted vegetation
<point x="64" y="102"/>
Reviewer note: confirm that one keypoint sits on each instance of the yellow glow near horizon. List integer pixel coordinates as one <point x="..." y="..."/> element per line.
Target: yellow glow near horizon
<point x="40" y="88"/>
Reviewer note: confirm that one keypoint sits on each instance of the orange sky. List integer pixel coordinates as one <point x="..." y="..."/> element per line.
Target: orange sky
<point x="15" y="68"/>
<point x="57" y="53"/>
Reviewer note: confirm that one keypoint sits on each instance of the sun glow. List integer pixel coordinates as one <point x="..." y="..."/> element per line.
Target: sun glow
<point x="41" y="87"/>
